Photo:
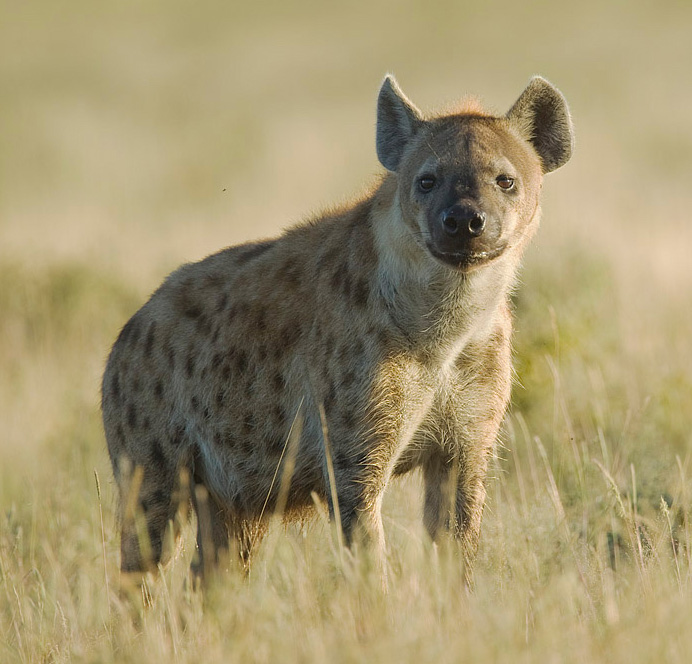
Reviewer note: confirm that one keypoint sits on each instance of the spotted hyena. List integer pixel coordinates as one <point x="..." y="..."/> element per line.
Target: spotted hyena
<point x="382" y="328"/>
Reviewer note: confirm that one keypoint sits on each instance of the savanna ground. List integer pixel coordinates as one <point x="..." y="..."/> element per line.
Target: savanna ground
<point x="138" y="135"/>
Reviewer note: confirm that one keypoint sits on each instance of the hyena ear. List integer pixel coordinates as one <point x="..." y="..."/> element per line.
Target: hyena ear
<point x="542" y="116"/>
<point x="397" y="121"/>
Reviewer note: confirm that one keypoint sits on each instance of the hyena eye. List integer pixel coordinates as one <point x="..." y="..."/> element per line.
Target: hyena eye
<point x="426" y="183"/>
<point x="505" y="182"/>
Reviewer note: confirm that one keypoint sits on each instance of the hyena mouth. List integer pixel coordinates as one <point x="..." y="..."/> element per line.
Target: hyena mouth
<point x="467" y="260"/>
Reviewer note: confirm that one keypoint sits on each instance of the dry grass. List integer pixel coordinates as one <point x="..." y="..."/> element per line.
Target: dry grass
<point x="142" y="134"/>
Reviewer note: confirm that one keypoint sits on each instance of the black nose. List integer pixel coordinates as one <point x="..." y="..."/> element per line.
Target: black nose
<point x="464" y="220"/>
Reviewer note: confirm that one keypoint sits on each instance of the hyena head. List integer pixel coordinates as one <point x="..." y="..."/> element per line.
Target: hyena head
<point x="469" y="183"/>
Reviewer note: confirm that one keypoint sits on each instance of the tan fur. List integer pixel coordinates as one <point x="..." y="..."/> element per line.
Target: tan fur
<point x="408" y="356"/>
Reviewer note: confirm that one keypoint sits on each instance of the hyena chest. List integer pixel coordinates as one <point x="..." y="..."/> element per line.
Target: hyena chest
<point x="413" y="404"/>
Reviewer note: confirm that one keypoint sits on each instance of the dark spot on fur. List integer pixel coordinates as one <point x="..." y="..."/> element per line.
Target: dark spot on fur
<point x="160" y="496"/>
<point x="136" y="385"/>
<point x="157" y="499"/>
<point x="275" y="444"/>
<point x="343" y="460"/>
<point x="151" y="337"/>
<point x="337" y="278"/>
<point x="348" y="378"/>
<point x="205" y="371"/>
<point x="289" y="273"/>
<point x="237" y="313"/>
<point x="194" y="404"/>
<point x="132" y="416"/>
<point x="192" y="310"/>
<point x="225" y="372"/>
<point x="383" y="337"/>
<point x="155" y="528"/>
<point x="361" y="293"/>
<point x="187" y="301"/>
<point x="130" y="333"/>
<point x="348" y="417"/>
<point x="136" y="332"/>
<point x="213" y="281"/>
<point x="358" y="348"/>
<point x="346" y="284"/>
<point x="220" y="398"/>
<point x="178" y="436"/>
<point x="207" y="413"/>
<point x="279" y="415"/>
<point x="253" y="251"/>
<point x="170" y="353"/>
<point x="279" y="381"/>
<point x="290" y="335"/>
<point x="190" y="364"/>
<point x="158" y="389"/>
<point x="343" y="355"/>
<point x="330" y="256"/>
<point x="261" y="320"/>
<point x="222" y="302"/>
<point x="330" y="398"/>
<point x="241" y="361"/>
<point x="329" y="342"/>
<point x="120" y="433"/>
<point x="215" y="335"/>
<point x="115" y="387"/>
<point x="157" y="455"/>
<point x="218" y="439"/>
<point x="203" y="325"/>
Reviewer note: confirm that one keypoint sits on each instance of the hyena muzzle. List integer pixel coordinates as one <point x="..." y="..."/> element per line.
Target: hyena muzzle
<point x="382" y="329"/>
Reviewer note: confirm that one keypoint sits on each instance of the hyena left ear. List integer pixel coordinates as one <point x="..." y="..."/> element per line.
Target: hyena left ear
<point x="397" y="121"/>
<point x="542" y="116"/>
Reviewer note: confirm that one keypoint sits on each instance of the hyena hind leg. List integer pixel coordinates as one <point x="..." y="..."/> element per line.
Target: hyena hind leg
<point x="438" y="479"/>
<point x="149" y="501"/>
<point x="221" y="535"/>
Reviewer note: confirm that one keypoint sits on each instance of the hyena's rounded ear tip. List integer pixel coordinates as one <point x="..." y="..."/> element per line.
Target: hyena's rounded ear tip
<point x="389" y="82"/>
<point x="538" y="78"/>
<point x="539" y="81"/>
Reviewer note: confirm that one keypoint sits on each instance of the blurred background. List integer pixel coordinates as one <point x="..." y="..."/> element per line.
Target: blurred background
<point x="140" y="134"/>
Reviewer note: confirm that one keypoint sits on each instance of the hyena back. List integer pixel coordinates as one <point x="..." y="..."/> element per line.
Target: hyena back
<point x="385" y="324"/>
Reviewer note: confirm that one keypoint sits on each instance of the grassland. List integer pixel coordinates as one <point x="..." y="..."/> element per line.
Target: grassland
<point x="140" y="135"/>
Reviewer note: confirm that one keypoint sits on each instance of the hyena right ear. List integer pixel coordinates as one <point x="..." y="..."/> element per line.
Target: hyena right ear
<point x="397" y="121"/>
<point x="541" y="114"/>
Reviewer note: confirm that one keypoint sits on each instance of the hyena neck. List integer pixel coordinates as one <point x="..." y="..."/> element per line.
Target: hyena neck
<point x="437" y="309"/>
